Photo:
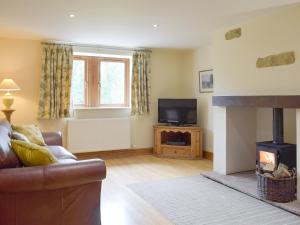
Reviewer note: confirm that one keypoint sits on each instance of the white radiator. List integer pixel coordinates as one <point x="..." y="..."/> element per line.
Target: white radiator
<point x="87" y="135"/>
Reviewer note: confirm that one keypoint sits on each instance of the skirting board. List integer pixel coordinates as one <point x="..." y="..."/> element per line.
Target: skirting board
<point x="122" y="153"/>
<point x="208" y="155"/>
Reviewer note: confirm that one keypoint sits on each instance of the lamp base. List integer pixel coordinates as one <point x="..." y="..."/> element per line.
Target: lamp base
<point x="7" y="113"/>
<point x="8" y="100"/>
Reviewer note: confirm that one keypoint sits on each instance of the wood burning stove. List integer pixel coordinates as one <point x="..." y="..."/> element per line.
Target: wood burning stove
<point x="270" y="153"/>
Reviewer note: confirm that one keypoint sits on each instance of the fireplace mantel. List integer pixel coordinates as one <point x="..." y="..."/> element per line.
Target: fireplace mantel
<point x="272" y="101"/>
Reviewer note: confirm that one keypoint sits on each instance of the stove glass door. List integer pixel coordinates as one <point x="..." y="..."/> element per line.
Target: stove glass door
<point x="267" y="160"/>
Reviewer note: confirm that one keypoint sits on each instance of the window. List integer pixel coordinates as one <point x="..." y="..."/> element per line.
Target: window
<point x="100" y="81"/>
<point x="79" y="82"/>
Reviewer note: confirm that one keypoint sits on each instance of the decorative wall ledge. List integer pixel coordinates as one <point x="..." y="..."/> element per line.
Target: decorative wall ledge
<point x="235" y="33"/>
<point x="272" y="101"/>
<point x="285" y="58"/>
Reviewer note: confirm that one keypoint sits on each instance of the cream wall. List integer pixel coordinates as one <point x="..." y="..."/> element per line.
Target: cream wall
<point x="235" y="64"/>
<point x="195" y="61"/>
<point x="264" y="125"/>
<point x="235" y="60"/>
<point x="166" y="82"/>
<point x="175" y="75"/>
<point x="21" y="60"/>
<point x="235" y="72"/>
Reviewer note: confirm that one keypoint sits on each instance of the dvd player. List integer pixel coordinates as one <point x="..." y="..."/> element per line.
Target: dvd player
<point x="179" y="143"/>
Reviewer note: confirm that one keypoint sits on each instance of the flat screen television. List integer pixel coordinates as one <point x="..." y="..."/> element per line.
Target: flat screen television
<point x="177" y="111"/>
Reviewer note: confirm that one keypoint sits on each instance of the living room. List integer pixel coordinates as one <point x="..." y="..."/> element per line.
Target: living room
<point x="149" y="169"/>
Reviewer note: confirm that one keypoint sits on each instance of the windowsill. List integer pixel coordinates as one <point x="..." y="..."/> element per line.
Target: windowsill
<point x="97" y="108"/>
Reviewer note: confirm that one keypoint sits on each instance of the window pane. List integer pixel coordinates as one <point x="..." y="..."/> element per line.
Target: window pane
<point x="78" y="82"/>
<point x="112" y="82"/>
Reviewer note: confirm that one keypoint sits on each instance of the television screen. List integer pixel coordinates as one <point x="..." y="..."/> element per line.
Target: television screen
<point x="177" y="111"/>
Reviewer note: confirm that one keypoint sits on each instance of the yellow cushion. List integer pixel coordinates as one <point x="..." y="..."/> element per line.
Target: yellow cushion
<point x="32" y="132"/>
<point x="32" y="154"/>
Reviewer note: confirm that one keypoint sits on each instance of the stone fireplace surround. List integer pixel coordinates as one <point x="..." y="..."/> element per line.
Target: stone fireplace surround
<point x="235" y="130"/>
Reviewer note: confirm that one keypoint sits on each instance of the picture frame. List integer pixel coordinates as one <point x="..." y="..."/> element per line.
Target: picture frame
<point x="206" y="81"/>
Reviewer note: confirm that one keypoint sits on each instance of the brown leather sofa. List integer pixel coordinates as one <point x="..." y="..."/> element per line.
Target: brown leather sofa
<point x="65" y="193"/>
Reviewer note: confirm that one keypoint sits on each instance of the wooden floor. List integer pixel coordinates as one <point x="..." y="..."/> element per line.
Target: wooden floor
<point x="121" y="206"/>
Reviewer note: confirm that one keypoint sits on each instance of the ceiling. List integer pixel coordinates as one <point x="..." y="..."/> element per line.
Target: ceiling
<point x="127" y="23"/>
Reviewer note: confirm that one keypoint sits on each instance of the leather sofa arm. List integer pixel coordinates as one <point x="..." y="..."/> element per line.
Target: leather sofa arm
<point x="52" y="177"/>
<point x="52" y="138"/>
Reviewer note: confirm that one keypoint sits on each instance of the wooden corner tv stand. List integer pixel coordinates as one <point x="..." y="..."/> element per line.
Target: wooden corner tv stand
<point x="178" y="142"/>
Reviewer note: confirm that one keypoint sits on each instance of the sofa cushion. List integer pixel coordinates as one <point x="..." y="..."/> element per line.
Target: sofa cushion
<point x="18" y="136"/>
<point x="32" y="154"/>
<point x="60" y="152"/>
<point x="8" y="158"/>
<point x="32" y="132"/>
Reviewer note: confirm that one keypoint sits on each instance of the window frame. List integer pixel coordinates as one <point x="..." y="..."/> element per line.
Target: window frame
<point x="126" y="81"/>
<point x="82" y="58"/>
<point x="93" y="78"/>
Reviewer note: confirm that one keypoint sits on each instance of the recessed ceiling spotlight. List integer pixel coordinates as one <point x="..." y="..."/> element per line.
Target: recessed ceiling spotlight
<point x="155" y="25"/>
<point x="71" y="15"/>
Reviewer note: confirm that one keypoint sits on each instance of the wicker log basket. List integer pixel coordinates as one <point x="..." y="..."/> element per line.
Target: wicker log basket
<point x="276" y="190"/>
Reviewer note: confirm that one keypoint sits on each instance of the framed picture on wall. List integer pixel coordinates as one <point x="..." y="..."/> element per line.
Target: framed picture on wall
<point x="206" y="81"/>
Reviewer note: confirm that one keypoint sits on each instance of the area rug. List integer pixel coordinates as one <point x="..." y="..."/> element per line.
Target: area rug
<point x="246" y="182"/>
<point x="197" y="200"/>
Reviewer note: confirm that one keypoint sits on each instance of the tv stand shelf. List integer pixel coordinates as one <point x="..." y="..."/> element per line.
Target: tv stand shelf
<point x="178" y="142"/>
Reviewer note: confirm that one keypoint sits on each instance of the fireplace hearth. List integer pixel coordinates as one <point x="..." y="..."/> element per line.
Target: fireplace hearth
<point x="270" y="153"/>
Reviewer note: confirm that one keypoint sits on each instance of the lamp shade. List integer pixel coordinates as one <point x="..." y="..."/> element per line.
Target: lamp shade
<point x="9" y="85"/>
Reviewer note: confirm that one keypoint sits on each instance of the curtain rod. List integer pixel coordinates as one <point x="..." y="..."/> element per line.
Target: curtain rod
<point x="95" y="46"/>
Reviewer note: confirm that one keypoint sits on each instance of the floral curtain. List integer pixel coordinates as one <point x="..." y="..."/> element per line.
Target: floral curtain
<point x="56" y="77"/>
<point x="140" y="87"/>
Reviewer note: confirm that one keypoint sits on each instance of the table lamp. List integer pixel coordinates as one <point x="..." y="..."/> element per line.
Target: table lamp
<point x="8" y="85"/>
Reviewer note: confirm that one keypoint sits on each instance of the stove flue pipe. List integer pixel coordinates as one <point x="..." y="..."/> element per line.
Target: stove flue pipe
<point x="278" y="126"/>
